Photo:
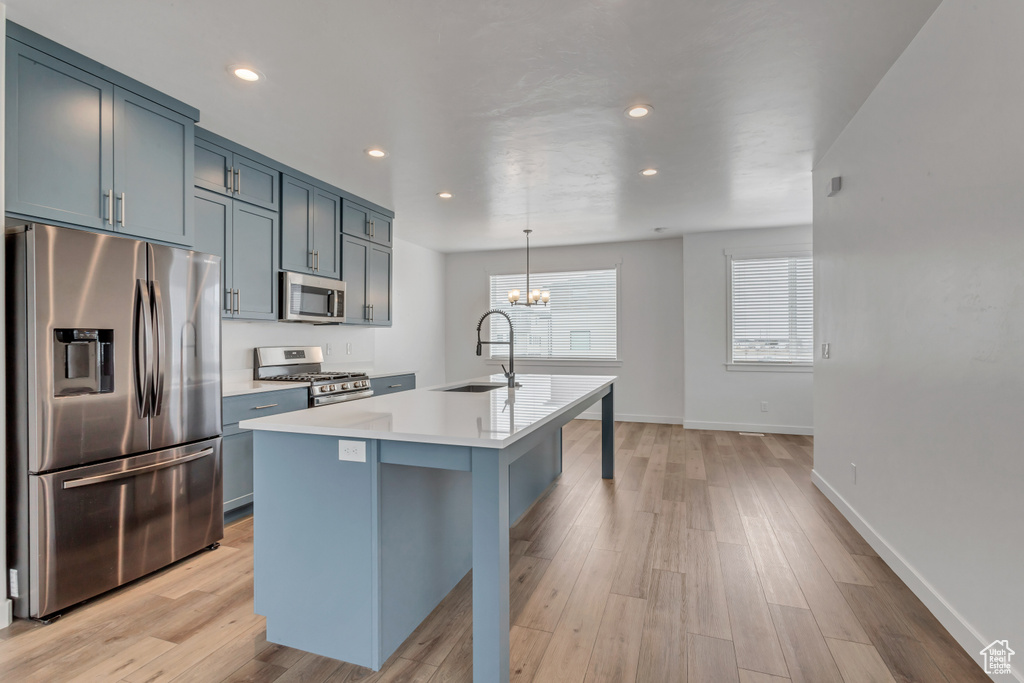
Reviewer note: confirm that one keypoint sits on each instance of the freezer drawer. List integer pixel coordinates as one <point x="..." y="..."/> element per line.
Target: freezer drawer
<point x="97" y="527"/>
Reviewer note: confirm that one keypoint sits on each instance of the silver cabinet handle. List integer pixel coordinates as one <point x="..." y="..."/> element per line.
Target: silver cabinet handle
<point x="394" y="386"/>
<point x="238" y="181"/>
<point x="230" y="185"/>
<point x="316" y="261"/>
<point x="269" y="405"/>
<point x="238" y="298"/>
<point x="123" y="211"/>
<point x="110" y="207"/>
<point x="100" y="478"/>
<point x="231" y="298"/>
<point x="371" y="312"/>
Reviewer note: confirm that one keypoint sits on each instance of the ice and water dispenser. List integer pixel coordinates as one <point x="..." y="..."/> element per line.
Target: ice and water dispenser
<point x="83" y="362"/>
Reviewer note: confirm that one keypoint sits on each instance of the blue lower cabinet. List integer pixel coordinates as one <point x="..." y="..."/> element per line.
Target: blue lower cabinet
<point x="237" y="443"/>
<point x="389" y="385"/>
<point x="237" y="456"/>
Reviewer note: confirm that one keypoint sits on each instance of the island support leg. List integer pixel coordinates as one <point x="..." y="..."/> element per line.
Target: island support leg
<point x="608" y="435"/>
<point x="490" y="567"/>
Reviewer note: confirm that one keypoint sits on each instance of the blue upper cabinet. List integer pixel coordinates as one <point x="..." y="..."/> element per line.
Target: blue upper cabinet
<point x="89" y="147"/>
<point x="296" y="225"/>
<point x="152" y="170"/>
<point x="359" y="221"/>
<point x="355" y="220"/>
<point x="245" y="237"/>
<point x="310" y="228"/>
<point x="380" y="229"/>
<point x="232" y="172"/>
<point x="60" y="140"/>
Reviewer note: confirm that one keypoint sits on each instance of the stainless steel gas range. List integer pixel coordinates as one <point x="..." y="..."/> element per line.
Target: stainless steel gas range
<point x="303" y="364"/>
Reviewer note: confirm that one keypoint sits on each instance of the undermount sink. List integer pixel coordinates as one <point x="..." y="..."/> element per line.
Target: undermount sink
<point x="475" y="388"/>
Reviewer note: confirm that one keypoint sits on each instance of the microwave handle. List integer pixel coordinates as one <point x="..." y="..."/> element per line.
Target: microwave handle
<point x="335" y="302"/>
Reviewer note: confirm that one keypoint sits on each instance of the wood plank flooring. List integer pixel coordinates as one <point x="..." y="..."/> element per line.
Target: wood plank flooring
<point x="710" y="557"/>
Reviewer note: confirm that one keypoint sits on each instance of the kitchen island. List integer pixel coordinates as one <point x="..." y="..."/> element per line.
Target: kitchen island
<point x="368" y="513"/>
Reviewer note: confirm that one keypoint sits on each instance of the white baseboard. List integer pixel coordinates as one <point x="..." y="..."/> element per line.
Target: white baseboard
<point x="963" y="632"/>
<point x="737" y="427"/>
<point x="620" y="417"/>
<point x="6" y="613"/>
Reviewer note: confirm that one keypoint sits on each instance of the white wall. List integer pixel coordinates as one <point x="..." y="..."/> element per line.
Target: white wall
<point x="920" y="291"/>
<point x="415" y="341"/>
<point x="717" y="398"/>
<point x="650" y="318"/>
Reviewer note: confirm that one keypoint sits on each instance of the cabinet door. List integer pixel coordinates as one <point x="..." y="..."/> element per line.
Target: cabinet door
<point x="254" y="239"/>
<point x="380" y="229"/>
<point x="154" y="149"/>
<point x="213" y="236"/>
<point x="378" y="285"/>
<point x="355" y="220"/>
<point x="327" y="233"/>
<point x="296" y="225"/>
<point x="60" y="140"/>
<point x="236" y="451"/>
<point x="212" y="163"/>
<point x="354" y="256"/>
<point x="256" y="183"/>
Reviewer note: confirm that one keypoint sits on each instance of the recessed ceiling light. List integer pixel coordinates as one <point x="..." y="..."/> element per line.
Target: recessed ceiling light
<point x="246" y="73"/>
<point x="444" y="195"/>
<point x="649" y="171"/>
<point x="638" y="111"/>
<point x="376" y="153"/>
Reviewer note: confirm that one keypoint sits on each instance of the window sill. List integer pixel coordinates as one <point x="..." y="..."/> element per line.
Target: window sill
<point x="556" y="362"/>
<point x="768" y="367"/>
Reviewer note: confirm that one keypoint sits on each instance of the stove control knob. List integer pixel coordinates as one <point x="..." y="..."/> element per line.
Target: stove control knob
<point x="364" y="383"/>
<point x="322" y="389"/>
<point x="346" y="385"/>
<point x="333" y="387"/>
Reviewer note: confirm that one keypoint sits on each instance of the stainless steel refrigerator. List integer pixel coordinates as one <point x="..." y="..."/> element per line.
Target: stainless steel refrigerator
<point x="113" y="412"/>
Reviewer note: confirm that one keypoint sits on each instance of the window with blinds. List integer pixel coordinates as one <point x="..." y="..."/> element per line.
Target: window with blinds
<point x="771" y="312"/>
<point x="579" y="323"/>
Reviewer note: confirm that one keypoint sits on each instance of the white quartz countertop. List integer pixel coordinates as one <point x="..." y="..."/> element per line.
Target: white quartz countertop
<point x="492" y="419"/>
<point x="238" y="384"/>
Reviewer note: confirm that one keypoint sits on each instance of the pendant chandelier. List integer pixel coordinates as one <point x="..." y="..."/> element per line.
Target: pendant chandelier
<point x="534" y="297"/>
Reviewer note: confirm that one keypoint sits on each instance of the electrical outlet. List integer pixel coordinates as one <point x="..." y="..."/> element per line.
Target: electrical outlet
<point x="327" y="349"/>
<point x="826" y="350"/>
<point x="348" y="348"/>
<point x="853" y="466"/>
<point x="351" y="451"/>
<point x="764" y="406"/>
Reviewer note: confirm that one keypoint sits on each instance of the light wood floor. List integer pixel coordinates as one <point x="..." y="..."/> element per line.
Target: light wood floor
<point x="710" y="557"/>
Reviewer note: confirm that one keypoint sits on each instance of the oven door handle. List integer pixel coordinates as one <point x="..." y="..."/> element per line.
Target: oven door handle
<point x="100" y="478"/>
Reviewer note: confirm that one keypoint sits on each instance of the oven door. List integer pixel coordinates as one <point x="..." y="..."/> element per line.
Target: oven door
<point x="311" y="299"/>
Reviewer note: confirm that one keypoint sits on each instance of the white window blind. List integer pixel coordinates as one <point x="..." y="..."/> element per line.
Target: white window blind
<point x="579" y="323"/>
<point x="772" y="310"/>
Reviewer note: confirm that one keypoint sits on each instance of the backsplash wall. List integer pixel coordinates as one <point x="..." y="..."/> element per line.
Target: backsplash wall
<point x="239" y="337"/>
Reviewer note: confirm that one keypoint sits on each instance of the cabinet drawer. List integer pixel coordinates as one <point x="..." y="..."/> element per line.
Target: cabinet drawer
<point x="248" y="406"/>
<point x="389" y="385"/>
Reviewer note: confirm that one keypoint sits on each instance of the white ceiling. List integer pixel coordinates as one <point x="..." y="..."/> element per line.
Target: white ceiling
<point x="517" y="107"/>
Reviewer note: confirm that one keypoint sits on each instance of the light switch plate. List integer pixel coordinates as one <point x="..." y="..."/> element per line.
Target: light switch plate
<point x="351" y="451"/>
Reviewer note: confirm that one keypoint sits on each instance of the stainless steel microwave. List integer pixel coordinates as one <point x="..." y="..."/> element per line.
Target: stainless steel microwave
<point x="311" y="299"/>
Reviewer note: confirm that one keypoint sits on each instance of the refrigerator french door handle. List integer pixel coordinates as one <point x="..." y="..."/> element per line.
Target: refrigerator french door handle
<point x="157" y="401"/>
<point x="143" y="329"/>
<point x="113" y="476"/>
